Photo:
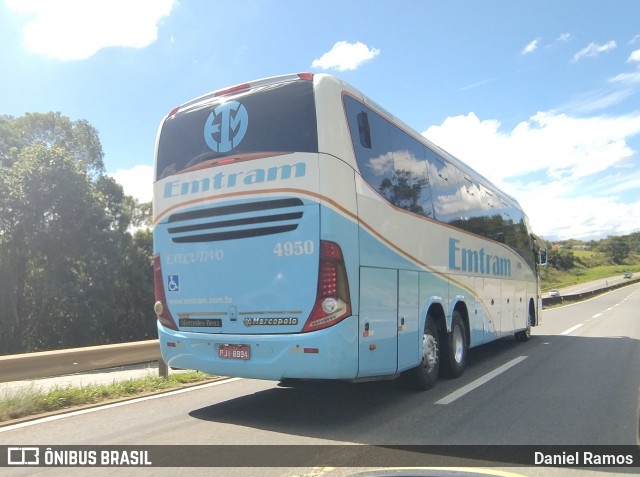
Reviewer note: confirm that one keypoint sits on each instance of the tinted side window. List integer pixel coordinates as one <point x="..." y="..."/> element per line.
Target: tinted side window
<point x="516" y="233"/>
<point x="389" y="159"/>
<point x="372" y="144"/>
<point x="444" y="182"/>
<point x="412" y="176"/>
<point x="410" y="187"/>
<point x="492" y="221"/>
<point x="472" y="217"/>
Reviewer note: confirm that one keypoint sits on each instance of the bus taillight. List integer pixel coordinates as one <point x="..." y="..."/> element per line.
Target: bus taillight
<point x="160" y="307"/>
<point x="173" y="112"/>
<point x="239" y="88"/>
<point x="332" y="300"/>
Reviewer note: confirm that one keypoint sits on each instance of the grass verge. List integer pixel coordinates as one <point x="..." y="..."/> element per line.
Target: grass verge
<point x="30" y="402"/>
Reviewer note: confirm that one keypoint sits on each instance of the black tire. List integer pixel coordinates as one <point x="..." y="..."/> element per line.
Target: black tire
<point x="454" y="351"/>
<point x="425" y="375"/>
<point x="525" y="335"/>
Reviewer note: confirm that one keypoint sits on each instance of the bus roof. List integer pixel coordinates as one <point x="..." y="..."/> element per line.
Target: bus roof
<point x="445" y="155"/>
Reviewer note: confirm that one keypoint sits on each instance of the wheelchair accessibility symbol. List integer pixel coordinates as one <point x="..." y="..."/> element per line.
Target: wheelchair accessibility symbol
<point x="173" y="283"/>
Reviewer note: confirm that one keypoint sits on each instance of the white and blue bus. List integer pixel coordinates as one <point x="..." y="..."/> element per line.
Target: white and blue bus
<point x="303" y="232"/>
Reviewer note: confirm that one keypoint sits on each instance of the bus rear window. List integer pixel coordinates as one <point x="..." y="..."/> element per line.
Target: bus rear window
<point x="273" y="118"/>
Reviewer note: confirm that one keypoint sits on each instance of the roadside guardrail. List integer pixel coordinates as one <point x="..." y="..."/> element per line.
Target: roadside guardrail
<point x="44" y="364"/>
<point x="559" y="300"/>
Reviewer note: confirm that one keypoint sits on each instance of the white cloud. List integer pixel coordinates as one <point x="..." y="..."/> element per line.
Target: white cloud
<point x="546" y="141"/>
<point x="137" y="181"/>
<point x="557" y="214"/>
<point x="616" y="90"/>
<point x="531" y="47"/>
<point x="345" y="56"/>
<point x="564" y="37"/>
<point x="476" y="84"/>
<point x="77" y="29"/>
<point x="545" y="163"/>
<point x="593" y="49"/>
<point x="634" y="56"/>
<point x="600" y="99"/>
<point x="631" y="79"/>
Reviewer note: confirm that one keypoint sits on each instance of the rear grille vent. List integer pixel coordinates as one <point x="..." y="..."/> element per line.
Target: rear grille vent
<point x="230" y="222"/>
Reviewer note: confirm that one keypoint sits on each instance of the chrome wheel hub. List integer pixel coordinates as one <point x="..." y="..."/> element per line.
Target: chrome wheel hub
<point x="430" y="351"/>
<point x="458" y="344"/>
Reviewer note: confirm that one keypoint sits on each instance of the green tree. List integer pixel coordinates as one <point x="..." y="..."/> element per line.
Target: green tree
<point x="68" y="262"/>
<point x="561" y="259"/>
<point x="633" y="240"/>
<point x="618" y="249"/>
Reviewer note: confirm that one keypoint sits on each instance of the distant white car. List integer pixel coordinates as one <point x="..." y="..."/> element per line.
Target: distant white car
<point x="554" y="292"/>
<point x="628" y="275"/>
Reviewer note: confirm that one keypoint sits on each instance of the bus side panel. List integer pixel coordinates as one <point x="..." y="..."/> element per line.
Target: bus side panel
<point x="477" y="318"/>
<point x="507" y="307"/>
<point x="378" y="331"/>
<point x="522" y="305"/>
<point x="491" y="296"/>
<point x="409" y="336"/>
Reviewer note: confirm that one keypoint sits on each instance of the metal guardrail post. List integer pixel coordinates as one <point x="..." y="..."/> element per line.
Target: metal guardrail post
<point x="163" y="369"/>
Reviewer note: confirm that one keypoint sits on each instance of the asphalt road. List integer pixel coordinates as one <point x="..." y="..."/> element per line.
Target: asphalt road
<point x="575" y="382"/>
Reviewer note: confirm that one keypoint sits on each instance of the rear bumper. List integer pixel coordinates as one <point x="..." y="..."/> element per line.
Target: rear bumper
<point x="331" y="353"/>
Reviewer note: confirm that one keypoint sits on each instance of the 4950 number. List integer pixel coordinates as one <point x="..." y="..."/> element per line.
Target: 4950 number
<point x="298" y="247"/>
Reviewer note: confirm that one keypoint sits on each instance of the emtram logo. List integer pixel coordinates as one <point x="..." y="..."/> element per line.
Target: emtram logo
<point x="226" y="126"/>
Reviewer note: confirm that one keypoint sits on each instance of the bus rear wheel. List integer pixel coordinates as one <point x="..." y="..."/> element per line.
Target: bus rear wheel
<point x="425" y="375"/>
<point x="454" y="352"/>
<point x="525" y="334"/>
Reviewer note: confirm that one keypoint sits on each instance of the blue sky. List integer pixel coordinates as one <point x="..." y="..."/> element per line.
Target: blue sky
<point x="542" y="97"/>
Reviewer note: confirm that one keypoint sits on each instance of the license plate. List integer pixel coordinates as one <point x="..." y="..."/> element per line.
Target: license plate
<point x="228" y="351"/>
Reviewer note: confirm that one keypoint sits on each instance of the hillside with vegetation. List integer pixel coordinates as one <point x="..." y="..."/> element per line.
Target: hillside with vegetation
<point x="574" y="261"/>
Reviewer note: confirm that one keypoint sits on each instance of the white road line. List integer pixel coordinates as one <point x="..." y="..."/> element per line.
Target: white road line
<point x="571" y="330"/>
<point x="596" y="315"/>
<point x="115" y="404"/>
<point x="480" y="381"/>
